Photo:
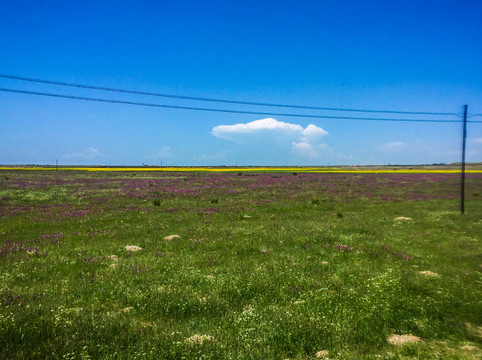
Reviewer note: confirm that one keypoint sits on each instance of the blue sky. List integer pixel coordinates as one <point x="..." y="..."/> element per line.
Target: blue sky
<point x="395" y="55"/>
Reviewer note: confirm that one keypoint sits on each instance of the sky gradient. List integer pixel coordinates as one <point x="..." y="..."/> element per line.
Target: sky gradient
<point x="390" y="55"/>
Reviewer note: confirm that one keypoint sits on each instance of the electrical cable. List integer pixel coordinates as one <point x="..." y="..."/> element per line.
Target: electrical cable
<point x="250" y="103"/>
<point x="221" y="110"/>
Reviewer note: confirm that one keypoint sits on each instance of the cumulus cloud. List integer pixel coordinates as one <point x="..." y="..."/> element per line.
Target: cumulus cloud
<point x="313" y="132"/>
<point x="239" y="132"/>
<point x="310" y="145"/>
<point x="276" y="136"/>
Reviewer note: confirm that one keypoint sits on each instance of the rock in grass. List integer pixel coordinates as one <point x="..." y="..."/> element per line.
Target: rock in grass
<point x="402" y="218"/>
<point x="400" y="340"/>
<point x="429" y="273"/>
<point x="199" y="339"/>
<point x="132" y="248"/>
<point x="172" y="237"/>
<point x="469" y="347"/>
<point x="474" y="330"/>
<point x="322" y="354"/>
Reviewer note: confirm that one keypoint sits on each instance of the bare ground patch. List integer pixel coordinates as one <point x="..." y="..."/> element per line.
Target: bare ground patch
<point x="198" y="339"/>
<point x="429" y="273"/>
<point x="400" y="340"/>
<point x="474" y="330"/>
<point x="469" y="347"/>
<point x="322" y="354"/>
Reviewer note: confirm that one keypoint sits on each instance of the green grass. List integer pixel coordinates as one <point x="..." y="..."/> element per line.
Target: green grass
<point x="273" y="272"/>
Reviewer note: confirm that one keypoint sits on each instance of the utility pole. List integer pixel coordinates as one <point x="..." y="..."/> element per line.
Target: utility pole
<point x="464" y="138"/>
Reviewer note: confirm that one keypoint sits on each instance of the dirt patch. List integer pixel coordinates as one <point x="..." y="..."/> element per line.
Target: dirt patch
<point x="172" y="237"/>
<point x="322" y="354"/>
<point x="400" y="340"/>
<point x="474" y="330"/>
<point x="402" y="218"/>
<point x="429" y="273"/>
<point x="469" y="347"/>
<point x="132" y="248"/>
<point x="199" y="339"/>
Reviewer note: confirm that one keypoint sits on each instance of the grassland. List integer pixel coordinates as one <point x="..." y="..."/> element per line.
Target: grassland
<point x="265" y="265"/>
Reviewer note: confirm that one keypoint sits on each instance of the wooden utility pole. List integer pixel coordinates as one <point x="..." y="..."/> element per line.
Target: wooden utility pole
<point x="464" y="138"/>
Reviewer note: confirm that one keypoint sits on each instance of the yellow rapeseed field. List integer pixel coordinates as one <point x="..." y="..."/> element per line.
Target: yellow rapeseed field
<point x="255" y="169"/>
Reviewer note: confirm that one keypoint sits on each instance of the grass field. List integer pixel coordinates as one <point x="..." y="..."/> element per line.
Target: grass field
<point x="239" y="265"/>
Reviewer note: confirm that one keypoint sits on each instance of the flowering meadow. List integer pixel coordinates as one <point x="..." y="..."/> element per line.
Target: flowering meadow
<point x="239" y="265"/>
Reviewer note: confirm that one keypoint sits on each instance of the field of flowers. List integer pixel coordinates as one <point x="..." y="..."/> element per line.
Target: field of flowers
<point x="239" y="265"/>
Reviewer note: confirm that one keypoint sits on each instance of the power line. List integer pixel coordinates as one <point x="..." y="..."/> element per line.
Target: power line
<point x="218" y="110"/>
<point x="473" y="115"/>
<point x="21" y="78"/>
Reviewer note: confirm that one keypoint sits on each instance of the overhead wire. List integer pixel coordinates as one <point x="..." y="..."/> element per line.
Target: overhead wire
<point x="83" y="98"/>
<point x="236" y="102"/>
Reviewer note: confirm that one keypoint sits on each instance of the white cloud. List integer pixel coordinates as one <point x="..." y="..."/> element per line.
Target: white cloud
<point x="393" y="146"/>
<point x="313" y="132"/>
<point x="310" y="145"/>
<point x="269" y="140"/>
<point x="273" y="136"/>
<point x="239" y="132"/>
<point x="230" y="132"/>
<point x="476" y="140"/>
